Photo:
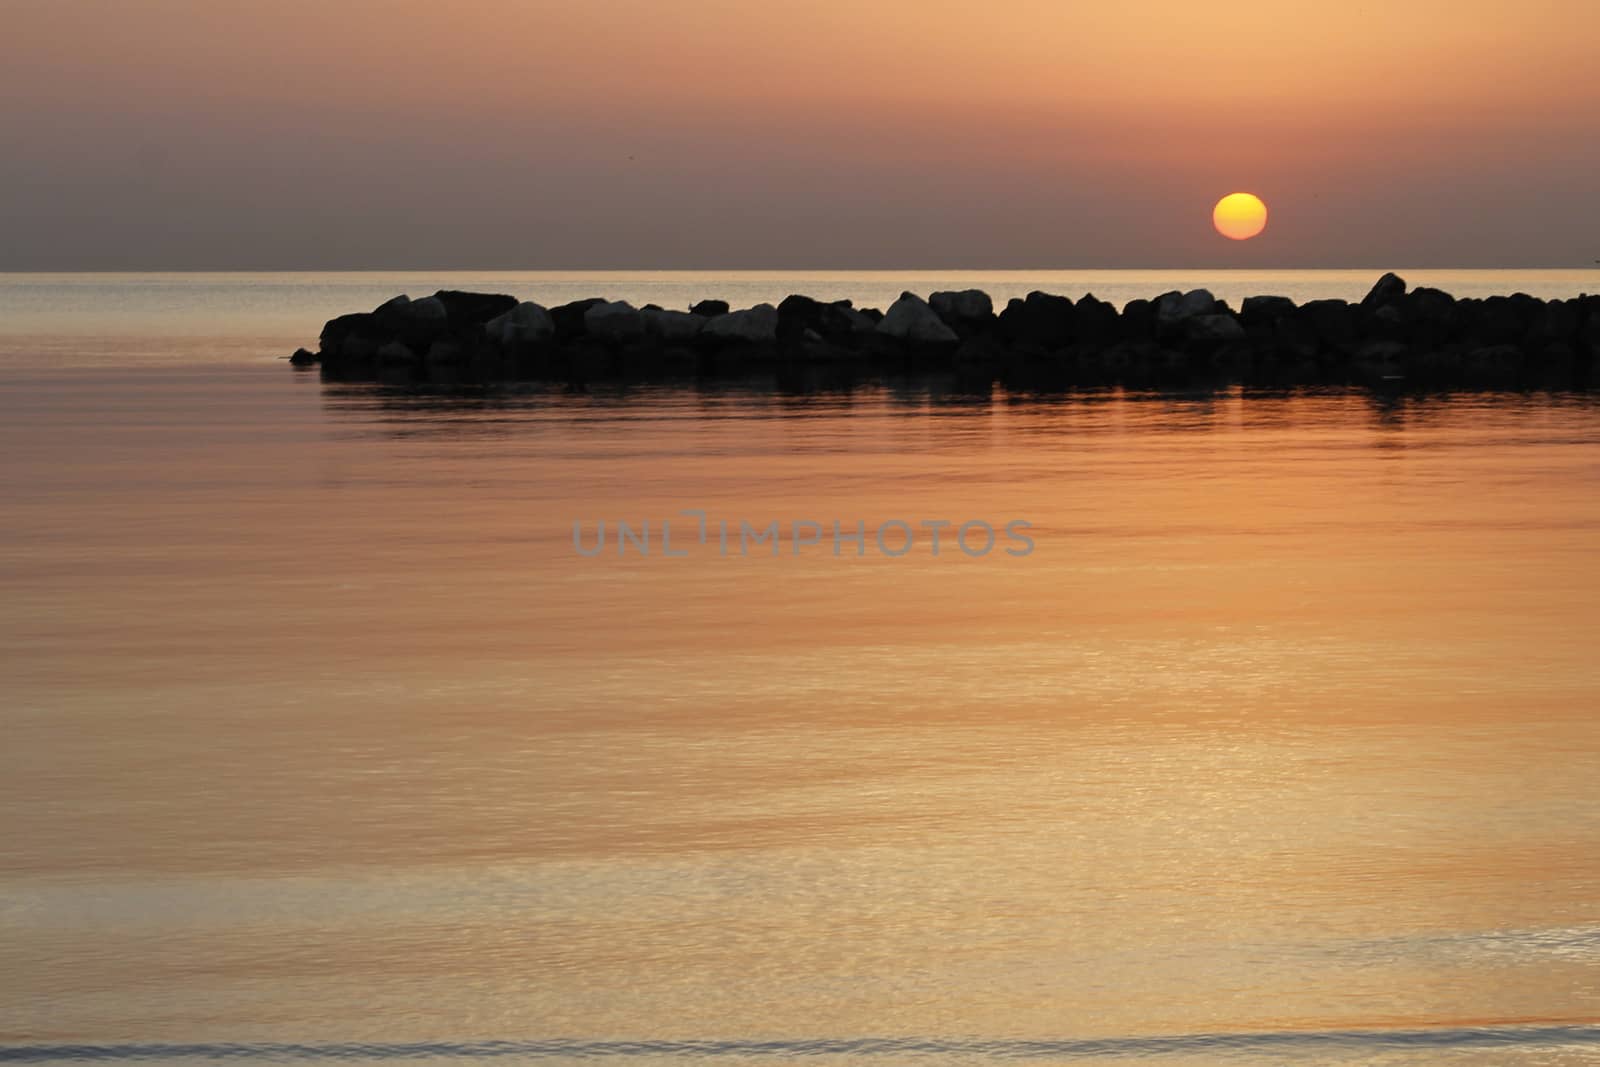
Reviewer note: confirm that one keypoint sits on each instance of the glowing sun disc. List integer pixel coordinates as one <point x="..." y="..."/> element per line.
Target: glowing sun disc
<point x="1239" y="216"/>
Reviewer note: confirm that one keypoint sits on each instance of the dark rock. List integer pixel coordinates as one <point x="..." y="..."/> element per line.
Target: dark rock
<point x="1421" y="336"/>
<point x="473" y="309"/>
<point x="1554" y="363"/>
<point x="1214" y="329"/>
<point x="1231" y="359"/>
<point x="709" y="308"/>
<point x="968" y="312"/>
<point x="1429" y="317"/>
<point x="1499" y="320"/>
<point x="402" y="312"/>
<point x="416" y="322"/>
<point x="395" y="353"/>
<point x="1331" y="322"/>
<point x="1589" y="324"/>
<point x="1094" y="321"/>
<point x="337" y="330"/>
<point x="1388" y="289"/>
<point x="1500" y="364"/>
<point x="1381" y="360"/>
<point x="1041" y="319"/>
<point x="1293" y="340"/>
<point x="1264" y="309"/>
<point x="1139" y="320"/>
<point x="568" y="318"/>
<point x="798" y="315"/>
<point x="980" y="352"/>
<point x="392" y="311"/>
<point x="1555" y="322"/>
<point x="444" y="353"/>
<point x="1173" y="308"/>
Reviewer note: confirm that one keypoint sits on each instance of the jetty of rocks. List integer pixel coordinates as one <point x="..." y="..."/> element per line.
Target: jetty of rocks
<point x="1396" y="334"/>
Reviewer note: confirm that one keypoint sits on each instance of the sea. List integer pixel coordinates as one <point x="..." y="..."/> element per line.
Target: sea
<point x="892" y="724"/>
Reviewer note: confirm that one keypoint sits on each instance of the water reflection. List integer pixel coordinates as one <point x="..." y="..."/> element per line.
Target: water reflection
<point x="321" y="731"/>
<point x="489" y="410"/>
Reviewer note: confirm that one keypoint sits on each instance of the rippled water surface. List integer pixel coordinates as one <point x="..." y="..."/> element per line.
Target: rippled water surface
<point x="322" y="741"/>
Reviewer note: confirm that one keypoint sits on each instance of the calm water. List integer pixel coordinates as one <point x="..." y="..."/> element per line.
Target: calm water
<point x="322" y="742"/>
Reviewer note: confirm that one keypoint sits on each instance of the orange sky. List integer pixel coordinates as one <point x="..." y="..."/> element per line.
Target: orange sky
<point x="716" y="133"/>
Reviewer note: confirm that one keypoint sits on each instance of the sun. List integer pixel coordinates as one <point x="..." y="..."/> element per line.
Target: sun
<point x="1239" y="216"/>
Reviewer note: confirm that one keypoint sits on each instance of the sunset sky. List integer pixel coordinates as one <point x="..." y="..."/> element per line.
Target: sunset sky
<point x="193" y="134"/>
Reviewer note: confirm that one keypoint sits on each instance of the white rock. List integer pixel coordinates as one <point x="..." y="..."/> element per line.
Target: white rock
<point x="911" y="319"/>
<point x="672" y="326"/>
<point x="757" y="325"/>
<point x="1176" y="307"/>
<point x="616" y="321"/>
<point x="428" y="309"/>
<point x="527" y="323"/>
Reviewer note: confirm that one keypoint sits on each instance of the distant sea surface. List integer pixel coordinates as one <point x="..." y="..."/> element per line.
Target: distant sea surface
<point x="171" y="317"/>
<point x="323" y="742"/>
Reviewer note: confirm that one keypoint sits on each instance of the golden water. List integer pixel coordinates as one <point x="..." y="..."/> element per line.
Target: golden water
<point x="318" y="731"/>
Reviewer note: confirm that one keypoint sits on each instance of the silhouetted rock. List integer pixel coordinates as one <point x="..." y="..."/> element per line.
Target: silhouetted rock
<point x="709" y="308"/>
<point x="1589" y="324"/>
<point x="1498" y="364"/>
<point x="568" y="318"/>
<point x="404" y="313"/>
<point x="968" y="312"/>
<point x="1389" y="288"/>
<point x="338" y="330"/>
<point x="1041" y="319"/>
<point x="799" y="315"/>
<point x="471" y="309"/>
<point x="444" y="353"/>
<point x="1043" y="341"/>
<point x="1174" y="308"/>
<point x="1214" y="328"/>
<point x="1555" y="323"/>
<point x="1381" y="360"/>
<point x="1094" y="321"/>
<point x="395" y="353"/>
<point x="1331" y="322"/>
<point x="392" y="311"/>
<point x="1264" y="309"/>
<point x="1138" y="320"/>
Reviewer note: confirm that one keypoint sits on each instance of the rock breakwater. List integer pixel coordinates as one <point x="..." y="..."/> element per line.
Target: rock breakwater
<point x="1396" y="334"/>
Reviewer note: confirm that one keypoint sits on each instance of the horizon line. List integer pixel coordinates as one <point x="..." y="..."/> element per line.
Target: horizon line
<point x="1595" y="266"/>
